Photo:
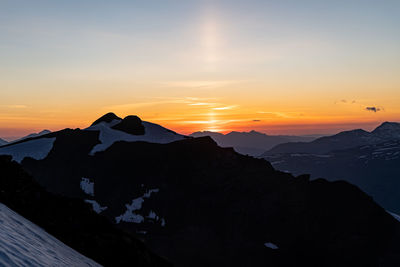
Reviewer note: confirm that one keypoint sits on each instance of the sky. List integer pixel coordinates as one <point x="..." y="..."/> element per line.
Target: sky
<point x="279" y="67"/>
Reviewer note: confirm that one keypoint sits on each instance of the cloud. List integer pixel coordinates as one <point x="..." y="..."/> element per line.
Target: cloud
<point x="345" y="101"/>
<point x="205" y="84"/>
<point x="373" y="109"/>
<point x="225" y="108"/>
<point x="256" y="120"/>
<point x="15" y="106"/>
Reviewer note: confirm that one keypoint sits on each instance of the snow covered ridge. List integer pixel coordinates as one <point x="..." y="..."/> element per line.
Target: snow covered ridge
<point x="23" y="243"/>
<point x="154" y="133"/>
<point x="37" y="149"/>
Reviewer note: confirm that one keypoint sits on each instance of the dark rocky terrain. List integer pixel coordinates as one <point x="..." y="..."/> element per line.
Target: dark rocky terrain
<point x="198" y="204"/>
<point x="72" y="221"/>
<point x="374" y="168"/>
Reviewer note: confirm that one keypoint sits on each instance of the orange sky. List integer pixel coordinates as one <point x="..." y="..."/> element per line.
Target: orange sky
<point x="279" y="68"/>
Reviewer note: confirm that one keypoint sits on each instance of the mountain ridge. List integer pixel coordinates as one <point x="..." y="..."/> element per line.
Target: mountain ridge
<point x="342" y="140"/>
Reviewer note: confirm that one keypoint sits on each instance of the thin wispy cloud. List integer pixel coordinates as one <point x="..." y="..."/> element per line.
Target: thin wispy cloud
<point x="275" y="114"/>
<point x="206" y="84"/>
<point x="224" y="108"/>
<point x="14" y="106"/>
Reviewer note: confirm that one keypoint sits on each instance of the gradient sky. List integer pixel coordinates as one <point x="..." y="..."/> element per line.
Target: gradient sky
<point x="281" y="67"/>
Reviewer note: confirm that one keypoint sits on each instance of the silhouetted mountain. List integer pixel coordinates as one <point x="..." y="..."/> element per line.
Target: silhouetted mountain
<point x="388" y="130"/>
<point x="107" y="118"/>
<point x="198" y="204"/>
<point x="32" y="135"/>
<point x="343" y="140"/>
<point x="3" y="142"/>
<point x="252" y="143"/>
<point x="374" y="168"/>
<point x="70" y="220"/>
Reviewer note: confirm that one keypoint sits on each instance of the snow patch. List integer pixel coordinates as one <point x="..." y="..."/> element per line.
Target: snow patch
<point x="271" y="245"/>
<point x="37" y="149"/>
<point x="152" y="215"/>
<point x="87" y="186"/>
<point x="129" y="215"/>
<point x="23" y="243"/>
<point x="96" y="206"/>
<point x="396" y="216"/>
<point x="153" y="134"/>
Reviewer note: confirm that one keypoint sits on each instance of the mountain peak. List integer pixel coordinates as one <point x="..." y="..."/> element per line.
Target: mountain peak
<point x="109" y="117"/>
<point x="387" y="125"/>
<point x="387" y="130"/>
<point x="131" y="124"/>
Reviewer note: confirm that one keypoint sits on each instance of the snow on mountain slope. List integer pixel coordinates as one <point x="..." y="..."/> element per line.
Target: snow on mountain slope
<point x="396" y="216"/>
<point x="23" y="243"/>
<point x="2" y="142"/>
<point x="37" y="149"/>
<point x="153" y="134"/>
<point x="33" y="135"/>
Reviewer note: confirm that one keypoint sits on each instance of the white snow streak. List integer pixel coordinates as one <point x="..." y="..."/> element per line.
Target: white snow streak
<point x="96" y="206"/>
<point x="271" y="245"/>
<point x="23" y="243"/>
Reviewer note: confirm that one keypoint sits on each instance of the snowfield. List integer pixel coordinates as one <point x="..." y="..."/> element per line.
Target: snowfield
<point x="23" y="243"/>
<point x="153" y="134"/>
<point x="37" y="149"/>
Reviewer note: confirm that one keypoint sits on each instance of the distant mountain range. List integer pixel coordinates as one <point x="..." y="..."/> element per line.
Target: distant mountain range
<point x="251" y="143"/>
<point x="32" y="135"/>
<point x="195" y="203"/>
<point x="385" y="132"/>
<point x="369" y="160"/>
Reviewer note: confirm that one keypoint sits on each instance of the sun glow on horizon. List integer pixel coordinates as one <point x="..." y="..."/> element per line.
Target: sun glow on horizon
<point x="272" y="66"/>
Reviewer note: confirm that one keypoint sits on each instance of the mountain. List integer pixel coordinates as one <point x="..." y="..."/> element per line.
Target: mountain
<point x="72" y="221"/>
<point x="388" y="130"/>
<point x="385" y="132"/>
<point x="32" y="135"/>
<point x="198" y="204"/>
<point x="374" y="168"/>
<point x="252" y="143"/>
<point x="23" y="242"/>
<point x="3" y="142"/>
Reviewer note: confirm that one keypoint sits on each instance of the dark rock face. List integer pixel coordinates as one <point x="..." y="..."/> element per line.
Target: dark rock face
<point x="203" y="205"/>
<point x="373" y="168"/>
<point x="71" y="221"/>
<point x="131" y="125"/>
<point x="109" y="117"/>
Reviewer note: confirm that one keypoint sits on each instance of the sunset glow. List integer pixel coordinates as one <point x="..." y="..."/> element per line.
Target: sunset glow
<point x="200" y="65"/>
